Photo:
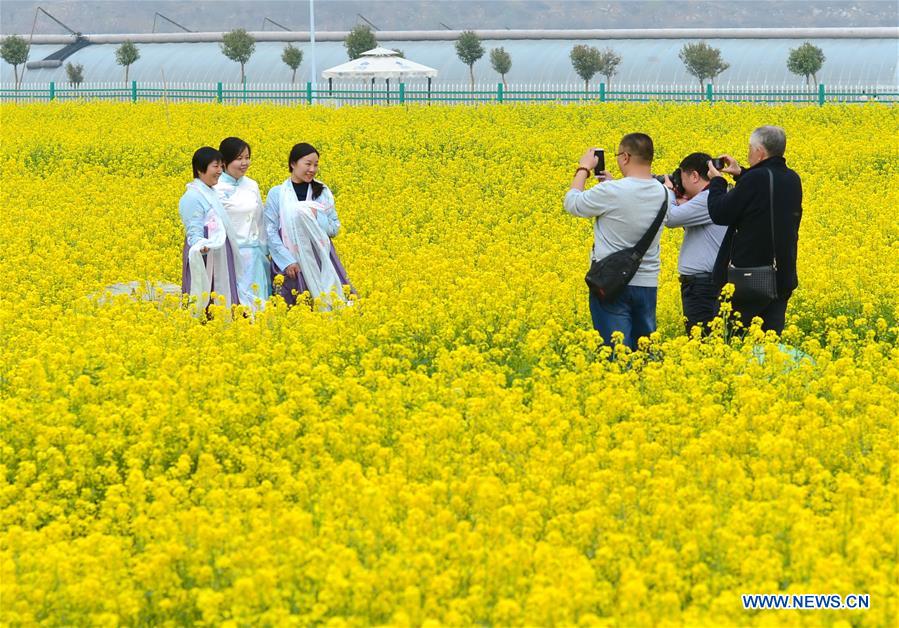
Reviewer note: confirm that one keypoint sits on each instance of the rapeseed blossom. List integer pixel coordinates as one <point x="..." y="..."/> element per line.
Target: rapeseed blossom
<point x="456" y="448"/>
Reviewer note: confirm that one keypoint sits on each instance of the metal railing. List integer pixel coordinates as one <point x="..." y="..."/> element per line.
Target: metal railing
<point x="420" y="93"/>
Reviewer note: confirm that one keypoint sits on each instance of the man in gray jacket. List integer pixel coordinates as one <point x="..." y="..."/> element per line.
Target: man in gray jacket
<point x="622" y="211"/>
<point x="702" y="241"/>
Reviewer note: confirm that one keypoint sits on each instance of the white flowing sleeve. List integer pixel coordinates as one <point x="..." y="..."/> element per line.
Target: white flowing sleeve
<point x="193" y="215"/>
<point x="263" y="230"/>
<point x="280" y="255"/>
<point x="327" y="218"/>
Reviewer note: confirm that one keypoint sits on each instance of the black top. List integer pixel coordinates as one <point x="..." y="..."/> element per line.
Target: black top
<point x="745" y="211"/>
<point x="301" y="190"/>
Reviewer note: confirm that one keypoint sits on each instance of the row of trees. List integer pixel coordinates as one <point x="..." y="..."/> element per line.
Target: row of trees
<point x="14" y="50"/>
<point x="237" y="45"/>
<point x="700" y="59"/>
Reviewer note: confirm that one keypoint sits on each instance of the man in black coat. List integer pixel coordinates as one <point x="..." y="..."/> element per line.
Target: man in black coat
<point x="746" y="210"/>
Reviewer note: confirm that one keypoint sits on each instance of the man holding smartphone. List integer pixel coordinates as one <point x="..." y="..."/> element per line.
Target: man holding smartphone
<point x="762" y="214"/>
<point x="623" y="211"/>
<point x="702" y="241"/>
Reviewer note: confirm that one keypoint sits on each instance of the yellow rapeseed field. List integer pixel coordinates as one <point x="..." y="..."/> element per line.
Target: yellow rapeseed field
<point x="455" y="448"/>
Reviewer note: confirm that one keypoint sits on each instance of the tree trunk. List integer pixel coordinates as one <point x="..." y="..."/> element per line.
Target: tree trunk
<point x="15" y="69"/>
<point x="586" y="87"/>
<point x="471" y="74"/>
<point x="504" y="82"/>
<point x="127" y="67"/>
<point x="815" y="76"/>
<point x="243" y="79"/>
<point x="293" y="79"/>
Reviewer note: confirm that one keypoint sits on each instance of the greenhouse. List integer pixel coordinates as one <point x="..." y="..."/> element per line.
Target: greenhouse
<point x="862" y="61"/>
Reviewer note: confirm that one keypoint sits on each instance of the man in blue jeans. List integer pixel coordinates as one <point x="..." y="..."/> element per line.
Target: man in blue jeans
<point x="622" y="211"/>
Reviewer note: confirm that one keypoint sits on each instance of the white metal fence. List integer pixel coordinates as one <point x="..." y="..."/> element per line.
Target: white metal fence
<point x="417" y="92"/>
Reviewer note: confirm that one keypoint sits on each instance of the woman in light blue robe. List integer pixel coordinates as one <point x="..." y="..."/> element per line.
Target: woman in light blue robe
<point x="210" y="255"/>
<point x="302" y="184"/>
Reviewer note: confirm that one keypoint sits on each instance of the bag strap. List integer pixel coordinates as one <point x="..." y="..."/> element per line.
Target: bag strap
<point x="771" y="210"/>
<point x="771" y="207"/>
<point x="644" y="242"/>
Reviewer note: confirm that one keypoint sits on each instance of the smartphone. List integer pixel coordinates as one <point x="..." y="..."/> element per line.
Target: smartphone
<point x="719" y="163"/>
<point x="600" y="161"/>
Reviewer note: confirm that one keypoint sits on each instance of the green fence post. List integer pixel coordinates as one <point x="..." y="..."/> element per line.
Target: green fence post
<point x="219" y="92"/>
<point x="52" y="90"/>
<point x="602" y="92"/>
<point x="133" y="91"/>
<point x="820" y="93"/>
<point x="309" y="92"/>
<point x="499" y="92"/>
<point x="708" y="92"/>
<point x="402" y="93"/>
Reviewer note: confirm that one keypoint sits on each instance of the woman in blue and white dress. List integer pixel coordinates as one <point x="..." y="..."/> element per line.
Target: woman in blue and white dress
<point x="300" y="221"/>
<point x="240" y="196"/>
<point x="211" y="260"/>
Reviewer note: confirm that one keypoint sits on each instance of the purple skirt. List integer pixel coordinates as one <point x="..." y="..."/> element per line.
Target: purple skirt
<point x="185" y="273"/>
<point x="299" y="284"/>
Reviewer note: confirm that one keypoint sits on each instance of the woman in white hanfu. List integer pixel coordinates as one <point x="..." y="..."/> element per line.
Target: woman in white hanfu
<point x="240" y="197"/>
<point x="300" y="221"/>
<point x="210" y="260"/>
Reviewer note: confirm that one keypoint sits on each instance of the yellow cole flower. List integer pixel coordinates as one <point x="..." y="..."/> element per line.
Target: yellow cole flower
<point x="456" y="448"/>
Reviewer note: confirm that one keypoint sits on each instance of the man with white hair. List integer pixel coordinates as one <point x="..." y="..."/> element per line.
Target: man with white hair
<point x="762" y="214"/>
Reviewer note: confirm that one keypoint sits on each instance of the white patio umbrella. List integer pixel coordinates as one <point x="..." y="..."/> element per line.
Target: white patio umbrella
<point x="380" y="63"/>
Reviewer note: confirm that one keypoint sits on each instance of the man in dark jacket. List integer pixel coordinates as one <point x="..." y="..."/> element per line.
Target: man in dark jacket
<point x="746" y="210"/>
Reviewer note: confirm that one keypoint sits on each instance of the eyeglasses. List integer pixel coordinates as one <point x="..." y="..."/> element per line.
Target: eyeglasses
<point x="622" y="153"/>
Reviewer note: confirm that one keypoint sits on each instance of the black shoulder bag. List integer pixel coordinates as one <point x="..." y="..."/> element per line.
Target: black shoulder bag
<point x="608" y="277"/>
<point x="756" y="284"/>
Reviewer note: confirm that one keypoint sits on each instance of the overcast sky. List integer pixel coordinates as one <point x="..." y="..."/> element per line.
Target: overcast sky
<point x="137" y="16"/>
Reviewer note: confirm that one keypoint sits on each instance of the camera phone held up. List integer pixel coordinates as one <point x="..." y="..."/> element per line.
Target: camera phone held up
<point x="600" y="161"/>
<point x="676" y="181"/>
